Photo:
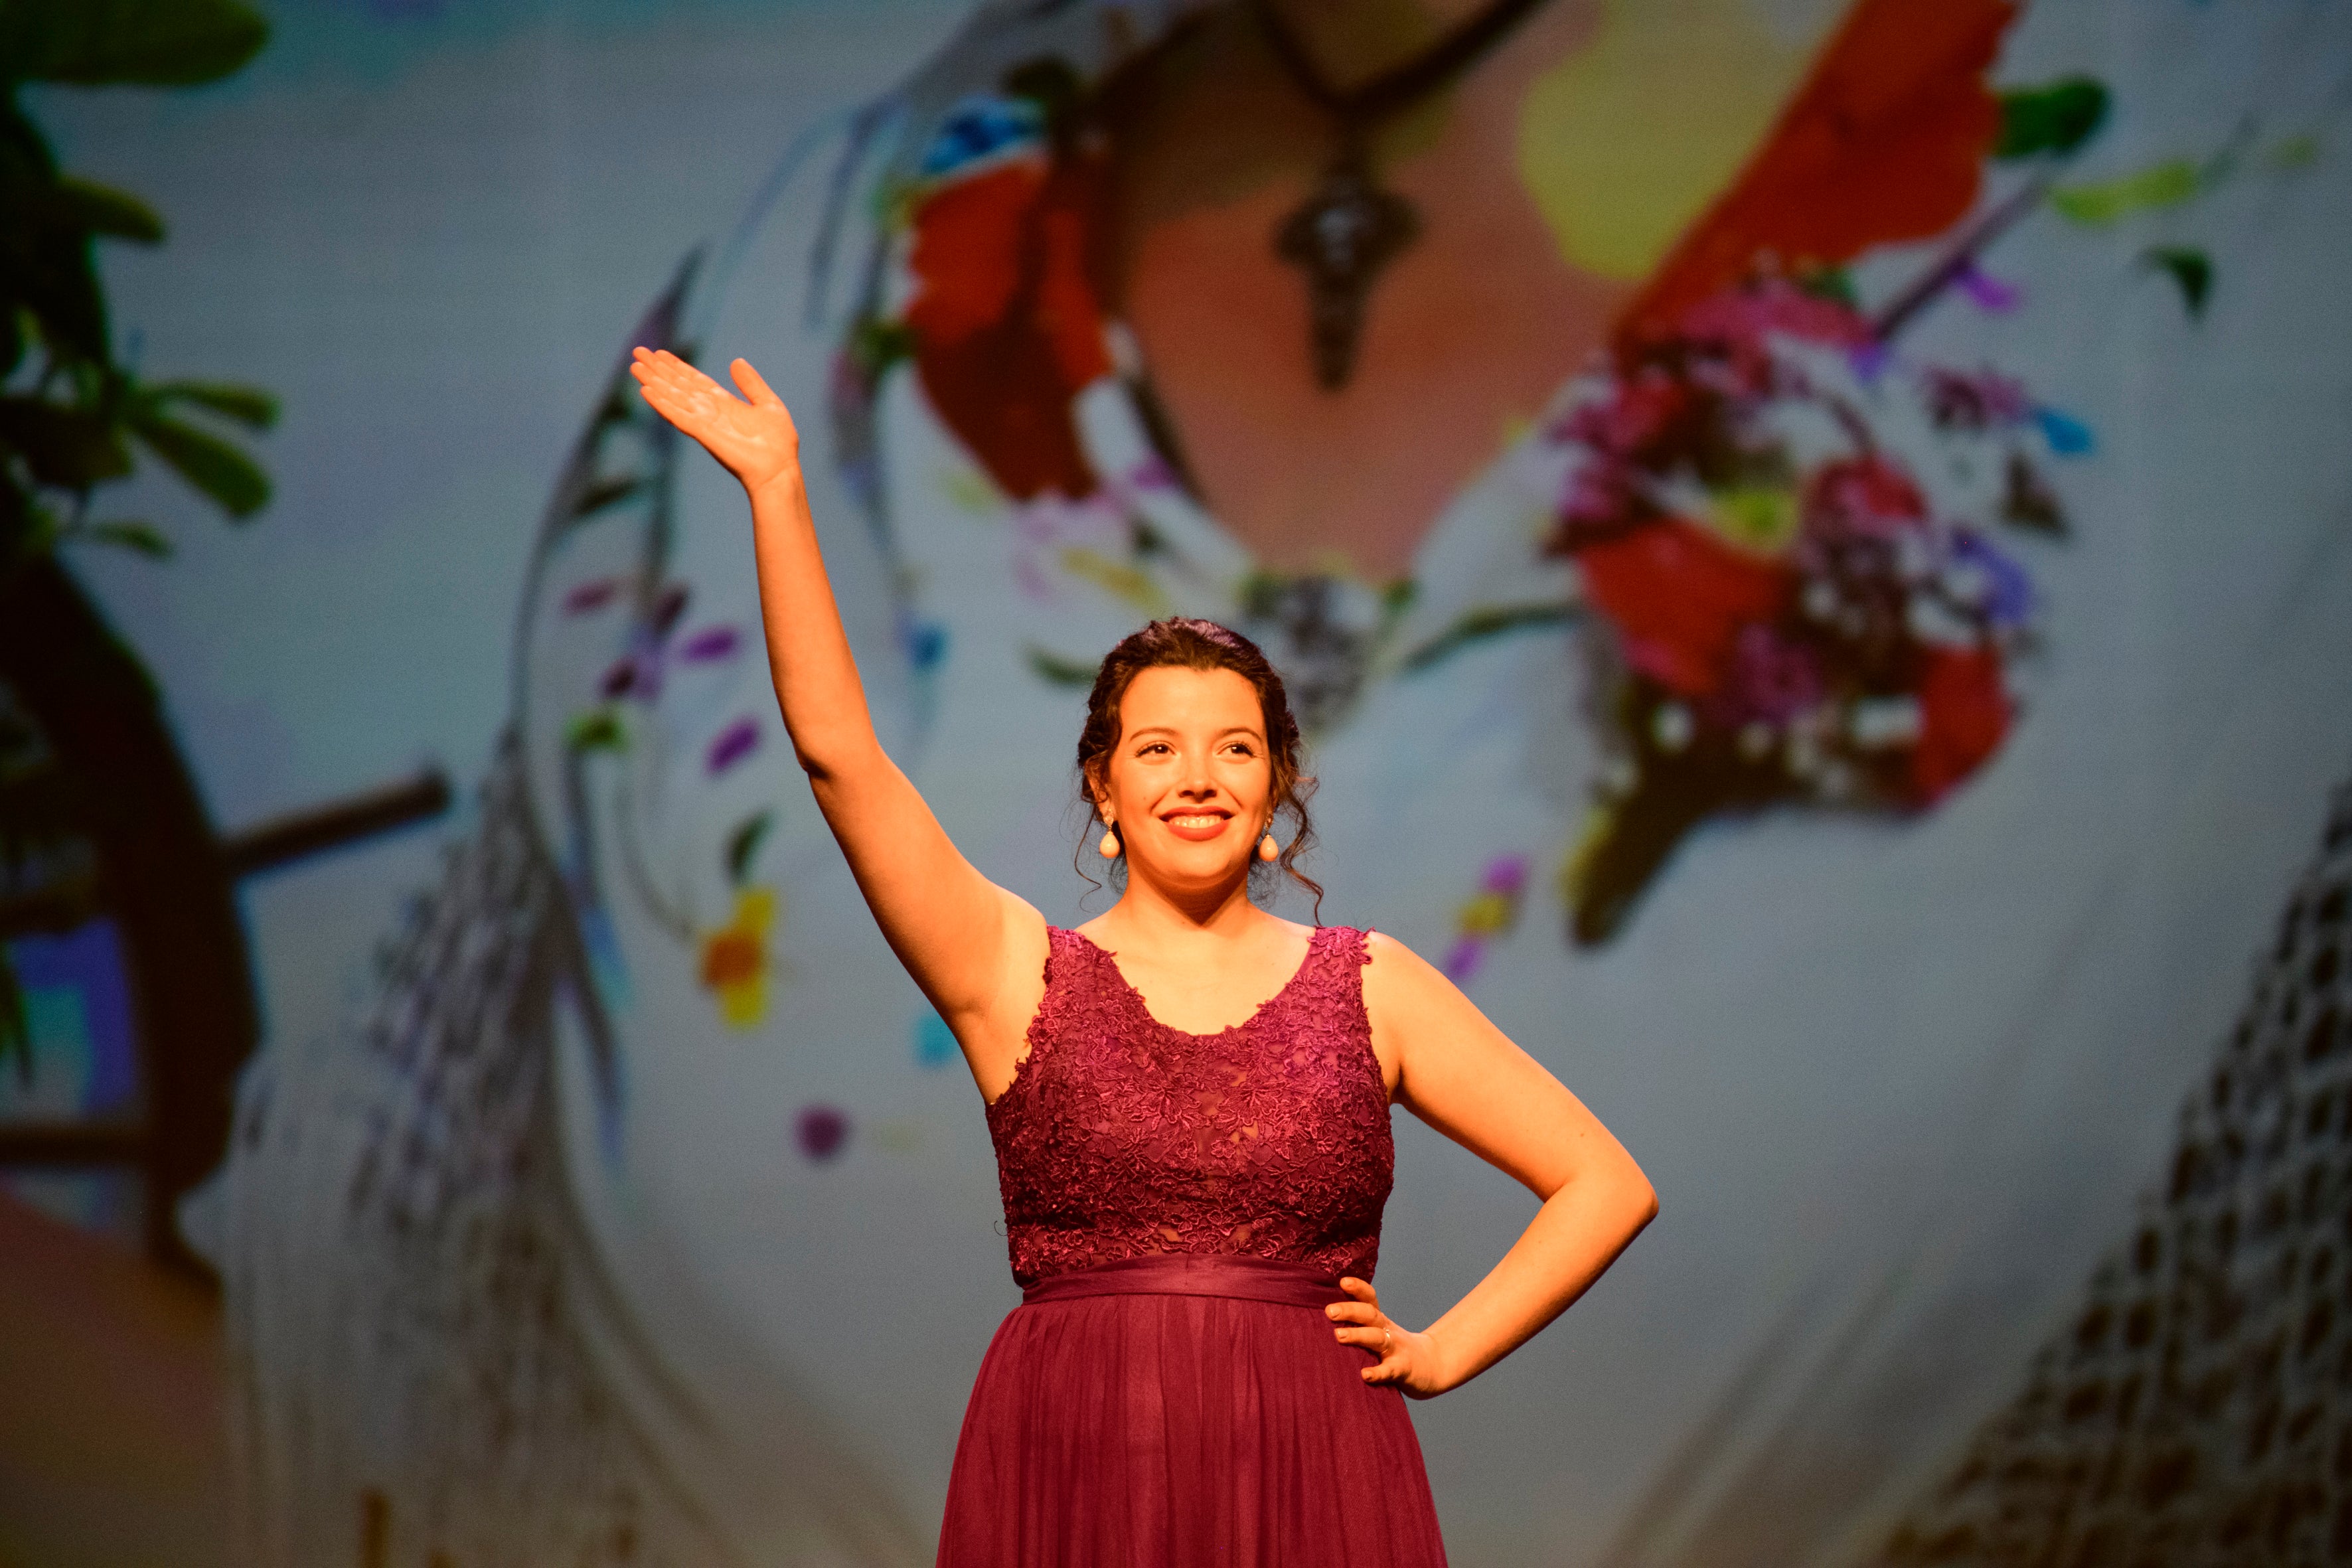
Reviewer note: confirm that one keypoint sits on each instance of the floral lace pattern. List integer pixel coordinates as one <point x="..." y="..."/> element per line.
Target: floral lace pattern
<point x="1120" y="1136"/>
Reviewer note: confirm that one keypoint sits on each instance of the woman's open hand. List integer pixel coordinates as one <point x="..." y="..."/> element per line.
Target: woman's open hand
<point x="752" y="437"/>
<point x="1407" y="1359"/>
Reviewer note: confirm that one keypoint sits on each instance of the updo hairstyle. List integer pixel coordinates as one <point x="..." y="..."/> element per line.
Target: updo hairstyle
<point x="1183" y="642"/>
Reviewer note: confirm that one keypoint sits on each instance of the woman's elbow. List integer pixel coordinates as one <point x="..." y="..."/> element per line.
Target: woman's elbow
<point x="1640" y="1199"/>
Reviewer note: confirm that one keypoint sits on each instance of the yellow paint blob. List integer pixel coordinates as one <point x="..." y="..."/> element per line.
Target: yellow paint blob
<point x="1624" y="144"/>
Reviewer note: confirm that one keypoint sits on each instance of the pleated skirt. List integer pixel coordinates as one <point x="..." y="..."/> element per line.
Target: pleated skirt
<point x="1179" y="1412"/>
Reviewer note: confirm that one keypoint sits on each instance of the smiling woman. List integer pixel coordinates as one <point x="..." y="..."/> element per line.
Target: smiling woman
<point x="1189" y="1103"/>
<point x="1201" y="647"/>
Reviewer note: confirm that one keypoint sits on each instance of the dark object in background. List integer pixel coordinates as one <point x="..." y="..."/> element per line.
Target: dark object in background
<point x="100" y="818"/>
<point x="2197" y="1408"/>
<point x="103" y="832"/>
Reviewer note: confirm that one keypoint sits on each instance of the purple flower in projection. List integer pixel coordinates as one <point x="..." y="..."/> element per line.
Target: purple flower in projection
<point x="1151" y="474"/>
<point x="1987" y="581"/>
<point x="821" y="1131"/>
<point x="1870" y="360"/>
<point x="711" y="644"/>
<point x="1489" y="914"/>
<point x="667" y="607"/>
<point x="732" y="744"/>
<point x="653" y="648"/>
<point x="1986" y="292"/>
<point x="626" y="676"/>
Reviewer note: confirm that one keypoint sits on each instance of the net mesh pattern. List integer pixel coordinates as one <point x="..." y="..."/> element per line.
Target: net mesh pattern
<point x="2197" y="1407"/>
<point x="414" y="1387"/>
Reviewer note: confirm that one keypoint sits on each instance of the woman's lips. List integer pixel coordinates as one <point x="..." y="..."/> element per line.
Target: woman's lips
<point x="1197" y="825"/>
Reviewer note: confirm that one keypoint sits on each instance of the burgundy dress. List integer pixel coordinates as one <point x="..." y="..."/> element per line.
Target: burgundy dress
<point x="1180" y="1209"/>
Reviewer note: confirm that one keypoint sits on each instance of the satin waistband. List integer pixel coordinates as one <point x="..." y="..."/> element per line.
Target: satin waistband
<point x="1193" y="1273"/>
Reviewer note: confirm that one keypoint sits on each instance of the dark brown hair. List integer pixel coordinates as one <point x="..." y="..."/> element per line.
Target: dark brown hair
<point x="1183" y="642"/>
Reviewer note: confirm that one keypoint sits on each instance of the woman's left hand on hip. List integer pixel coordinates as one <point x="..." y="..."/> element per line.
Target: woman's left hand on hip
<point x="1406" y="1358"/>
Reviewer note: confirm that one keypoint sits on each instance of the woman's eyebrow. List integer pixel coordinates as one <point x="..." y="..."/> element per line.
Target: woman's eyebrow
<point x="1251" y="731"/>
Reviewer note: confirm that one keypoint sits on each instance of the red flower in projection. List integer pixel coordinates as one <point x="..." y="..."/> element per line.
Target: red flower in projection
<point x="1006" y="319"/>
<point x="1885" y="141"/>
<point x="1678" y="597"/>
<point x="1964" y="712"/>
<point x="1862" y="497"/>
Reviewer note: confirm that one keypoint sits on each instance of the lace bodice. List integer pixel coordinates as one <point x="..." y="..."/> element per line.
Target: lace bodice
<point x="1120" y="1136"/>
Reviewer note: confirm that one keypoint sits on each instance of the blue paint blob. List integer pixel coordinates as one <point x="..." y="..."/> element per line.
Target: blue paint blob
<point x="927" y="643"/>
<point x="935" y="1043"/>
<point x="2068" y="437"/>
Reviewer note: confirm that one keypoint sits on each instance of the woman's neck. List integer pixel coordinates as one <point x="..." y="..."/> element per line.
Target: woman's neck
<point x="1149" y="913"/>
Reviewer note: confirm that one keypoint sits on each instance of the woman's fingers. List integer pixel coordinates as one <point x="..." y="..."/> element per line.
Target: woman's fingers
<point x="664" y="369"/>
<point x="752" y="437"/>
<point x="1364" y="1324"/>
<point x="1393" y="1349"/>
<point x="754" y="386"/>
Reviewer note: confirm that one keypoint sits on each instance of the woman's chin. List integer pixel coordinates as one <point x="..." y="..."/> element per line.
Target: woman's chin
<point x="1189" y="871"/>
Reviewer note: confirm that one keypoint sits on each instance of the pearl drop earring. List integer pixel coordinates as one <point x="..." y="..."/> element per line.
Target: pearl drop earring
<point x="1108" y="847"/>
<point x="1267" y="849"/>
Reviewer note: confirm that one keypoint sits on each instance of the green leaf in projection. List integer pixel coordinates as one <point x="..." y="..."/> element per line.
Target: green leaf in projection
<point x="143" y="538"/>
<point x="72" y="449"/>
<point x="15" y="1024"/>
<point x="233" y="481"/>
<point x="2057" y="118"/>
<point x="99" y="209"/>
<point x="46" y="265"/>
<point x="246" y="406"/>
<point x="2191" y="269"/>
<point x="743" y="842"/>
<point x="150" y="43"/>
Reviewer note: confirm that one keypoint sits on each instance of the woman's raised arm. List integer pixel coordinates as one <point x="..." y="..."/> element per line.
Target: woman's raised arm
<point x="977" y="951"/>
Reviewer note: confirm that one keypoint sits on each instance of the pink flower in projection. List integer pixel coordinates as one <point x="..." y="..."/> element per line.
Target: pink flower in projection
<point x="1090" y="537"/>
<point x="1772" y="677"/>
<point x="1787" y="613"/>
<point x="1862" y="498"/>
<point x="1983" y="401"/>
<point x="594" y="594"/>
<point x="1728" y="338"/>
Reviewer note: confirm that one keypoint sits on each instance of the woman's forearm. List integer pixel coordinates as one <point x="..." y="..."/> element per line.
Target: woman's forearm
<point x="1573" y="1238"/>
<point x="817" y="687"/>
